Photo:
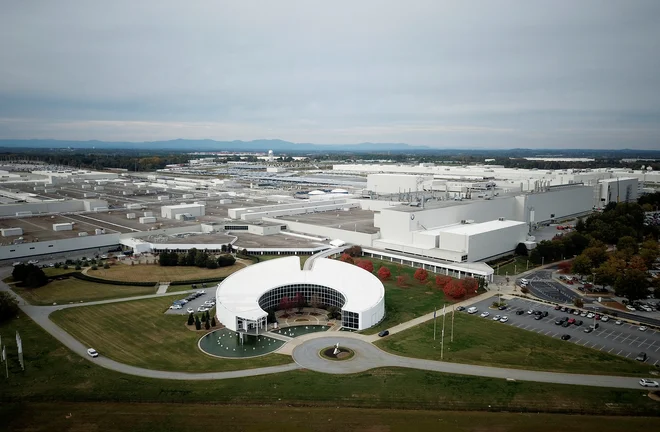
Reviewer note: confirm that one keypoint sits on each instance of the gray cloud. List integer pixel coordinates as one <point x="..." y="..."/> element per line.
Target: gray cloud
<point x="440" y="73"/>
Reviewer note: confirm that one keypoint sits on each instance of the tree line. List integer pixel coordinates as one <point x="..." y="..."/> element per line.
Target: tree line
<point x="194" y="257"/>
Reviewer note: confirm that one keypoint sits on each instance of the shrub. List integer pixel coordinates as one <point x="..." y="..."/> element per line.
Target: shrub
<point x="384" y="273"/>
<point x="78" y="267"/>
<point x="207" y="325"/>
<point x="191" y="319"/>
<point x="106" y="266"/>
<point x="366" y="265"/>
<point x="65" y="266"/>
<point x="226" y="260"/>
<point x="442" y="280"/>
<point x="346" y="258"/>
<point x="401" y="280"/>
<point x="58" y="265"/>
<point x="213" y="323"/>
<point x="8" y="306"/>
<point x="421" y="275"/>
<point x="198" y="324"/>
<point x="524" y="290"/>
<point x="455" y="289"/>
<point x="211" y="264"/>
<point x="94" y="267"/>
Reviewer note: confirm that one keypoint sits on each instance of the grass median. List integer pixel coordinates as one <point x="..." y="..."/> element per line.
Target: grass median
<point x="154" y="272"/>
<point x="74" y="290"/>
<point x="485" y="342"/>
<point x="54" y="375"/>
<point x="140" y="334"/>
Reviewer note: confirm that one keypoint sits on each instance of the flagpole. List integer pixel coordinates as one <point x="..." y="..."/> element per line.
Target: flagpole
<point x="453" y="309"/>
<point x="442" y="343"/>
<point x="4" y="358"/>
<point x="434" y="313"/>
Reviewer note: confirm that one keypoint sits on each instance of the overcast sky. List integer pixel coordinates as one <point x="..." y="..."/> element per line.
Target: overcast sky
<point x="479" y="74"/>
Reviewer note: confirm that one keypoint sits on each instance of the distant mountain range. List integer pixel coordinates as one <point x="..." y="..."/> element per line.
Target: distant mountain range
<point x="211" y="145"/>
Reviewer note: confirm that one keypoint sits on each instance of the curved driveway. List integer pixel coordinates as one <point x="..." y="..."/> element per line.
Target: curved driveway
<point x="305" y="351"/>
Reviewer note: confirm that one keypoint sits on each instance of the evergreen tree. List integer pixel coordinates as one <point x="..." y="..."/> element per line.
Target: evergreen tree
<point x="191" y="319"/>
<point x="198" y="324"/>
<point x="213" y="322"/>
<point x="207" y="325"/>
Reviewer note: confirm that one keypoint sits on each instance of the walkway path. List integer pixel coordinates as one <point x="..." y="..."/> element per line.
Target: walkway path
<point x="304" y="350"/>
<point x="162" y="287"/>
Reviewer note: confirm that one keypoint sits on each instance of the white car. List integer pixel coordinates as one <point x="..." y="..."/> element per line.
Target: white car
<point x="104" y="257"/>
<point x="472" y="310"/>
<point x="92" y="352"/>
<point x="175" y="306"/>
<point x="524" y="282"/>
<point x="630" y="308"/>
<point x="17" y="263"/>
<point x="484" y="314"/>
<point x="202" y="309"/>
<point x="201" y="292"/>
<point x="618" y="322"/>
<point x="531" y="311"/>
<point x="33" y="262"/>
<point x="583" y="314"/>
<point x="190" y="310"/>
<point x="648" y="383"/>
<point x="590" y="315"/>
<point x="504" y="319"/>
<point x="642" y="328"/>
<point x="183" y="301"/>
<point x="605" y="318"/>
<point x="209" y="303"/>
<point x="496" y="318"/>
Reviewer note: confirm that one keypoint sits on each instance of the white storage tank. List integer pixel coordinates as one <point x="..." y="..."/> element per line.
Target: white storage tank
<point x="99" y="231"/>
<point x="82" y="234"/>
<point x="130" y="215"/>
<point x="148" y="213"/>
<point x="23" y="213"/>
<point x="188" y="196"/>
<point x="8" y="232"/>
<point x="225" y="201"/>
<point x="147" y="220"/>
<point x="67" y="226"/>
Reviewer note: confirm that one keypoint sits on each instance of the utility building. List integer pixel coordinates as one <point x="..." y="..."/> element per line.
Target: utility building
<point x="191" y="210"/>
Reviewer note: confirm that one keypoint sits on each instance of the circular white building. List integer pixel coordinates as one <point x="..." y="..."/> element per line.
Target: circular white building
<point x="244" y="297"/>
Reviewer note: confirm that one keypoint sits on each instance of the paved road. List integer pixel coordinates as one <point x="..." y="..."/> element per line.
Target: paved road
<point x="369" y="357"/>
<point x="305" y="353"/>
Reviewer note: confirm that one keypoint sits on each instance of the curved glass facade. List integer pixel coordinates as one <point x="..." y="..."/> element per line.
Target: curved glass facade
<point x="320" y="294"/>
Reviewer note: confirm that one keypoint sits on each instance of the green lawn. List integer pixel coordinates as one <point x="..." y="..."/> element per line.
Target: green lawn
<point x="195" y="417"/>
<point x="519" y="265"/>
<point x="140" y="334"/>
<point x="485" y="342"/>
<point x="76" y="290"/>
<point x="405" y="303"/>
<point x="54" y="377"/>
<point x="187" y="287"/>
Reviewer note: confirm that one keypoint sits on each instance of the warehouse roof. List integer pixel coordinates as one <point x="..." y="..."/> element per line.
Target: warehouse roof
<point x="479" y="228"/>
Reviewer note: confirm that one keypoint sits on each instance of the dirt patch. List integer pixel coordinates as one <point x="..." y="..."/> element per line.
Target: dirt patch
<point x="614" y="305"/>
<point x="301" y="320"/>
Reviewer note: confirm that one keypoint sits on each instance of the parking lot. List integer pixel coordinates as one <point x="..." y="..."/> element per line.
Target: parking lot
<point x="196" y="303"/>
<point x="543" y="286"/>
<point x="624" y="340"/>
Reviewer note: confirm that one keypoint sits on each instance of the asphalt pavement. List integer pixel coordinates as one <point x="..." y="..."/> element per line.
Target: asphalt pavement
<point x="624" y="340"/>
<point x="196" y="303"/>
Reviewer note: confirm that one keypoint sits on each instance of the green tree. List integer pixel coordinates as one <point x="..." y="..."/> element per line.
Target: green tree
<point x="597" y="255"/>
<point x="191" y="319"/>
<point x="198" y="324"/>
<point x="211" y="263"/>
<point x="521" y="249"/>
<point x="632" y="284"/>
<point x="8" y="306"/>
<point x="226" y="260"/>
<point x="582" y="265"/>
<point x="578" y="302"/>
<point x="207" y="324"/>
<point x="213" y="323"/>
<point x="204" y="317"/>
<point x="191" y="257"/>
<point x="609" y="271"/>
<point x="535" y="256"/>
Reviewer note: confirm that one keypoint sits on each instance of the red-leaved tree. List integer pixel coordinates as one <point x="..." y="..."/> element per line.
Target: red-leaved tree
<point x="384" y="273"/>
<point x="564" y="266"/>
<point x="455" y="289"/>
<point x="366" y="265"/>
<point x="442" y="280"/>
<point x="346" y="258"/>
<point x="285" y="303"/>
<point x="401" y="280"/>
<point x="421" y="275"/>
<point x="471" y="285"/>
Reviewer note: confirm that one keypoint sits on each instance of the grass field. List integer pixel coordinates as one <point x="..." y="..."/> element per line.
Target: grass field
<point x="405" y="303"/>
<point x="76" y="290"/>
<point x="111" y="417"/>
<point x="519" y="265"/>
<point x="140" y="334"/>
<point x="55" y="377"/>
<point x="485" y="342"/>
<point x="156" y="273"/>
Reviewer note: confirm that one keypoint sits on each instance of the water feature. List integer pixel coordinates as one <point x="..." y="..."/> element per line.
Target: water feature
<point x="226" y="343"/>
<point x="299" y="330"/>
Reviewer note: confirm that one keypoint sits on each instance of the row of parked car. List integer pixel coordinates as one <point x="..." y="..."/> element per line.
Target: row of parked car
<point x="207" y="305"/>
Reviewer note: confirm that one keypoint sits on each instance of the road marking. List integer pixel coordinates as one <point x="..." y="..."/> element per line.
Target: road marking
<point x="619" y="352"/>
<point x="627" y="355"/>
<point x="610" y="350"/>
<point x="633" y="341"/>
<point x="624" y="339"/>
<point x="642" y="343"/>
<point x="548" y="332"/>
<point x="656" y="362"/>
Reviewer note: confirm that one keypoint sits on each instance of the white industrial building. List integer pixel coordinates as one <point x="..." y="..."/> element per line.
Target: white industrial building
<point x="615" y="190"/>
<point x="244" y="297"/>
<point x="192" y="210"/>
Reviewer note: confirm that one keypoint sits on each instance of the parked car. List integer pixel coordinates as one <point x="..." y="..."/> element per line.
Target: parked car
<point x="538" y="317"/>
<point x="17" y="263"/>
<point x="565" y="324"/>
<point x="92" y="352"/>
<point x="504" y="319"/>
<point x="648" y="383"/>
<point x="182" y="301"/>
<point x="597" y="317"/>
<point x="641" y="357"/>
<point x="472" y="310"/>
<point x="496" y="318"/>
<point x="557" y="307"/>
<point x="33" y="262"/>
<point x="571" y="321"/>
<point x="202" y="309"/>
<point x="565" y="337"/>
<point x="578" y="323"/>
<point x="190" y="310"/>
<point x="605" y="318"/>
<point x="559" y="321"/>
<point x="583" y="314"/>
<point x="576" y="312"/>
<point x="630" y="308"/>
<point x="175" y="306"/>
<point x="531" y="311"/>
<point x="383" y="333"/>
<point x="484" y="314"/>
<point x="618" y="322"/>
<point x="503" y="307"/>
<point x="643" y="328"/>
<point x="588" y="330"/>
<point x="545" y="314"/>
<point x="520" y="312"/>
<point x="523" y="282"/>
<point x="104" y="257"/>
<point x="590" y="315"/>
<point x="460" y="308"/>
<point x="564" y="309"/>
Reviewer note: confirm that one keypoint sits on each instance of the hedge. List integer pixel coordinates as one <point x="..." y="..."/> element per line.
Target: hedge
<point x="88" y="278"/>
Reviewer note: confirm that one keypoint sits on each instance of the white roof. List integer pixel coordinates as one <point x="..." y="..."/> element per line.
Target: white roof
<point x="240" y="292"/>
<point x="478" y="228"/>
<point x="183" y="206"/>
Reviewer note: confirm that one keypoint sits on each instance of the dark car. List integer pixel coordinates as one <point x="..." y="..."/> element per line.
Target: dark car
<point x="545" y="314"/>
<point x="384" y="333"/>
<point x="520" y="312"/>
<point x="588" y="330"/>
<point x="460" y="308"/>
<point x="538" y="317"/>
<point x="565" y="324"/>
<point x="563" y="309"/>
<point x="559" y="321"/>
<point x="641" y="357"/>
<point x="578" y="322"/>
<point x="557" y="307"/>
<point x="503" y="307"/>
<point x="565" y="337"/>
